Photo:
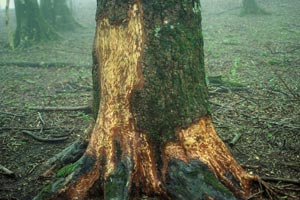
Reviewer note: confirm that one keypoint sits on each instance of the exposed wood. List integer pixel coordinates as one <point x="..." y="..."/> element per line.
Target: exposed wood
<point x="41" y="139"/>
<point x="153" y="133"/>
<point x="200" y="141"/>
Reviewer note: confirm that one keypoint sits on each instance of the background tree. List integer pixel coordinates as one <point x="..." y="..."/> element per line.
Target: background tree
<point x="58" y="14"/>
<point x="7" y="21"/>
<point x="153" y="132"/>
<point x="31" y="26"/>
<point x="251" y="7"/>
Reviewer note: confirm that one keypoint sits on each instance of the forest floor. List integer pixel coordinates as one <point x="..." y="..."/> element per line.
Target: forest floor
<point x="255" y="62"/>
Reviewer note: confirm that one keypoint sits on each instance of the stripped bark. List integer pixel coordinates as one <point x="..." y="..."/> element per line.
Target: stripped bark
<point x="153" y="134"/>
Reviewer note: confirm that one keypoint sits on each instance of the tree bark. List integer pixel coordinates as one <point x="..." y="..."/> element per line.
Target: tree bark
<point x="31" y="26"/>
<point x="58" y="14"/>
<point x="153" y="133"/>
<point x="7" y="21"/>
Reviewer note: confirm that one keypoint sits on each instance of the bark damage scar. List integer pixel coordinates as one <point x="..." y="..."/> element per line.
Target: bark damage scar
<point x="118" y="51"/>
<point x="200" y="141"/>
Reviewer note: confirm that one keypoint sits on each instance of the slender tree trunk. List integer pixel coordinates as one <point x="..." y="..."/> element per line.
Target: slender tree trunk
<point x="31" y="26"/>
<point x="7" y="20"/>
<point x="153" y="132"/>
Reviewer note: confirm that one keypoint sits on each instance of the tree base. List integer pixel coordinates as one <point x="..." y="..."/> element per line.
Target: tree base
<point x="197" y="165"/>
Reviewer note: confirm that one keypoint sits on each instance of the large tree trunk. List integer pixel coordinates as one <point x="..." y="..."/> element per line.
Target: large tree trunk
<point x="153" y="134"/>
<point x="58" y="14"/>
<point x="31" y="26"/>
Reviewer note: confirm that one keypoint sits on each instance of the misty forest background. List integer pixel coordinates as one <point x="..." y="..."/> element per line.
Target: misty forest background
<point x="252" y="64"/>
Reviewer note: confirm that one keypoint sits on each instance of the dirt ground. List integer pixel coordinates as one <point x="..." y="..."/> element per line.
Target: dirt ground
<point x="257" y="57"/>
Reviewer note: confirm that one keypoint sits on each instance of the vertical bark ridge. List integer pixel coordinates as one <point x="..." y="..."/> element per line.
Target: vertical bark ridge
<point x="145" y="176"/>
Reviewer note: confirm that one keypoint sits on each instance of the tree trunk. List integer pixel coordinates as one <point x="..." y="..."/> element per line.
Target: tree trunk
<point x="153" y="133"/>
<point x="47" y="9"/>
<point x="58" y="14"/>
<point x="31" y="26"/>
<point x="7" y="21"/>
<point x="251" y="7"/>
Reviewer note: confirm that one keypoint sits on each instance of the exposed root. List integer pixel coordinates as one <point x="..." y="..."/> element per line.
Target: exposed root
<point x="40" y="139"/>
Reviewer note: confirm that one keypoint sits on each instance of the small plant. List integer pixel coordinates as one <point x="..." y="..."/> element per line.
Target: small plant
<point x="84" y="116"/>
<point x="66" y="170"/>
<point x="234" y="68"/>
<point x="270" y="136"/>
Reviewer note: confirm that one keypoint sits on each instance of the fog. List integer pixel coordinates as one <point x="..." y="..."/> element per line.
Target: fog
<point x="3" y="4"/>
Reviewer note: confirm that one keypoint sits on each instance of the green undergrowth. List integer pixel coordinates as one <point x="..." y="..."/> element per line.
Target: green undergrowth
<point x="67" y="170"/>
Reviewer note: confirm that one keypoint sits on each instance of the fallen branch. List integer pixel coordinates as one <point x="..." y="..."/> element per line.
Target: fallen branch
<point x="86" y="109"/>
<point x="40" y="64"/>
<point x="7" y="172"/>
<point x="250" y="166"/>
<point x="294" y="165"/>
<point x="69" y="155"/>
<point x="40" y="139"/>
<point x="12" y="114"/>
<point x="277" y="179"/>
<point x="36" y="129"/>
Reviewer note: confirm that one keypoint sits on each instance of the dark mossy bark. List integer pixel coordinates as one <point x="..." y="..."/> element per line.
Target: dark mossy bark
<point x="194" y="180"/>
<point x="173" y="69"/>
<point x="58" y="14"/>
<point x="31" y="26"/>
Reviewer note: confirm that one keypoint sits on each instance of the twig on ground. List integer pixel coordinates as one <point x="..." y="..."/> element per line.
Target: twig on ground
<point x="40" y="139"/>
<point x="272" y="191"/>
<point x="235" y="139"/>
<point x="295" y="165"/>
<point x="250" y="166"/>
<point x="254" y="195"/>
<point x="12" y="114"/>
<point x="277" y="179"/>
<point x="286" y="86"/>
<point x="5" y="171"/>
<point x="41" y="118"/>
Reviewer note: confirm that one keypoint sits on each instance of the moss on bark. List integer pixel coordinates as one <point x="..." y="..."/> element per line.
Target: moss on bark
<point x="175" y="92"/>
